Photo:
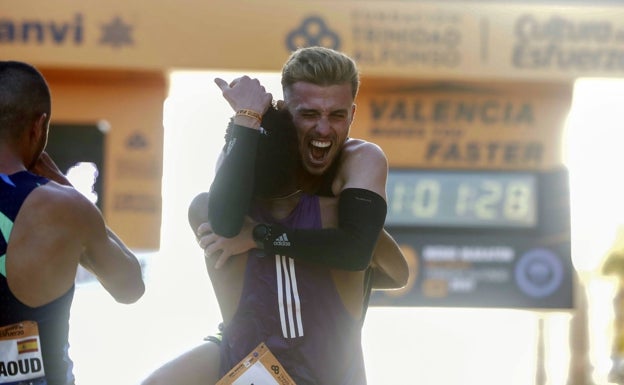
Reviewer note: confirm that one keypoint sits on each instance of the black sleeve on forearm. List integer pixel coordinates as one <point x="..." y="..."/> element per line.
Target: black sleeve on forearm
<point x="232" y="187"/>
<point x="361" y="216"/>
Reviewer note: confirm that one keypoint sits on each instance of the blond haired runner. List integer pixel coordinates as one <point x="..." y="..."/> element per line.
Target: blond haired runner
<point x="319" y="87"/>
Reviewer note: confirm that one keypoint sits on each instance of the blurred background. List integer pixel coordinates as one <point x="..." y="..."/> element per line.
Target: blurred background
<point x="502" y="123"/>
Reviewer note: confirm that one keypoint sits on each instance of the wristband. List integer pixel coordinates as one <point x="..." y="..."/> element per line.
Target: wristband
<point x="250" y="113"/>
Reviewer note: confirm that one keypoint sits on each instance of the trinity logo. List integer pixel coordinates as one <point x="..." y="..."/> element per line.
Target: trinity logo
<point x="312" y="32"/>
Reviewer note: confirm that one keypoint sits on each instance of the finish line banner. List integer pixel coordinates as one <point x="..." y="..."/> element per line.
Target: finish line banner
<point x="390" y="38"/>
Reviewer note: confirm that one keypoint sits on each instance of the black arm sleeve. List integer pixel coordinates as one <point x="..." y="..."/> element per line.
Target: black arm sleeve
<point x="232" y="188"/>
<point x="361" y="216"/>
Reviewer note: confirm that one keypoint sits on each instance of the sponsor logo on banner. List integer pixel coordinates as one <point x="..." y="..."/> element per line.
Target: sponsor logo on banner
<point x="313" y="31"/>
<point x="114" y="32"/>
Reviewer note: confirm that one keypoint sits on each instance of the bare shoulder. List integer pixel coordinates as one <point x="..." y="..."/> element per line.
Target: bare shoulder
<point x="362" y="165"/>
<point x="359" y="147"/>
<point x="60" y="202"/>
<point x="61" y="217"/>
<point x="60" y="194"/>
<point x="356" y="153"/>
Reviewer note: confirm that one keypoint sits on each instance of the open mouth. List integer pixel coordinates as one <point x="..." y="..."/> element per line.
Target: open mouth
<point x="319" y="150"/>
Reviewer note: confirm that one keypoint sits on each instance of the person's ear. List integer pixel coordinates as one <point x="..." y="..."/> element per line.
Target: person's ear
<point x="40" y="127"/>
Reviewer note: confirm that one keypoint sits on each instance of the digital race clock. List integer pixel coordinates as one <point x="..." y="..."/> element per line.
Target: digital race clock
<point x="479" y="238"/>
<point x="461" y="199"/>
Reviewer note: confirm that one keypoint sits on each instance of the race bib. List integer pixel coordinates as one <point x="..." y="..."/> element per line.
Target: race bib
<point x="20" y="355"/>
<point x="260" y="367"/>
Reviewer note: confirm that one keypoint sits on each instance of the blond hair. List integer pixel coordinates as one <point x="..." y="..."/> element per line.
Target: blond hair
<point x="321" y="66"/>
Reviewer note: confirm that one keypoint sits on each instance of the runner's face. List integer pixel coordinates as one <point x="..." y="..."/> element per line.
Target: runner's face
<point x="322" y="116"/>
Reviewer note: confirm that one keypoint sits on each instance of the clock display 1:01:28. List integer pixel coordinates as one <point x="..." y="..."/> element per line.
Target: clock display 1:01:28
<point x="462" y="199"/>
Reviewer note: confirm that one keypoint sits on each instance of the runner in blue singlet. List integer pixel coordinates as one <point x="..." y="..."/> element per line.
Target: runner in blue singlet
<point x="47" y="230"/>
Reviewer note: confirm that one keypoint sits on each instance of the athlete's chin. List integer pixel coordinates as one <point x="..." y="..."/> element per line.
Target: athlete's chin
<point x="316" y="169"/>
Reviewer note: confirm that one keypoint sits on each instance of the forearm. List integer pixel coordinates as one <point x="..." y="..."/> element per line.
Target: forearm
<point x="232" y="188"/>
<point x="122" y="246"/>
<point x="390" y="268"/>
<point x="388" y="277"/>
<point x="116" y="267"/>
<point x="45" y="166"/>
<point x="334" y="248"/>
<point x="361" y="215"/>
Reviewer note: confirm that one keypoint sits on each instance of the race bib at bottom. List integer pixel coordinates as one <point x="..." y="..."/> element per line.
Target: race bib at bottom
<point x="20" y="355"/>
<point x="260" y="367"/>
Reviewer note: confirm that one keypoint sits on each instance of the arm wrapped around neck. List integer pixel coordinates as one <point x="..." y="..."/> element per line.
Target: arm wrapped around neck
<point x="361" y="216"/>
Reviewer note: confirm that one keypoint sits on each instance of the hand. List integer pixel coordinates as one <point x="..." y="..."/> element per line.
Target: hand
<point x="221" y="248"/>
<point x="45" y="166"/>
<point x="245" y="93"/>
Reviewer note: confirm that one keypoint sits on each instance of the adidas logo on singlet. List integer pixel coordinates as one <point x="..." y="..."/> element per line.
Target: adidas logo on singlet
<point x="282" y="240"/>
